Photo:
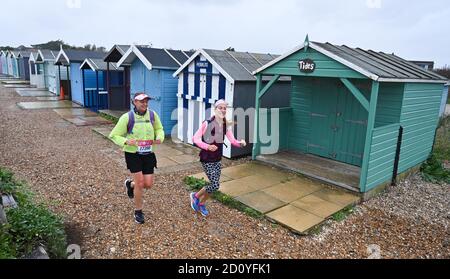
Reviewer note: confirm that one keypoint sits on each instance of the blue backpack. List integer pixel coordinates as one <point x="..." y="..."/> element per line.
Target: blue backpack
<point x="130" y="125"/>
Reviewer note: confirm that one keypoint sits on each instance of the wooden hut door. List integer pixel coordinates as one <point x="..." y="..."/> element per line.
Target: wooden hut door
<point x="338" y="124"/>
<point x="323" y="119"/>
<point x="351" y="124"/>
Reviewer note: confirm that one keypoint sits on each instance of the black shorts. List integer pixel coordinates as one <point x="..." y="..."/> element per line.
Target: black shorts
<point x="141" y="163"/>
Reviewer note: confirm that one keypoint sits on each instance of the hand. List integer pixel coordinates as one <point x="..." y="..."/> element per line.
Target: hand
<point x="157" y="141"/>
<point x="243" y="143"/>
<point x="212" y="148"/>
<point x="131" y="142"/>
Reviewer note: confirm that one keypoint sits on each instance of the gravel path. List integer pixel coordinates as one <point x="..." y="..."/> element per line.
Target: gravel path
<point x="80" y="174"/>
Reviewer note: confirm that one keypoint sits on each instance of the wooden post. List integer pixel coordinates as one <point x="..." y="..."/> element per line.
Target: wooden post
<point x="98" y="91"/>
<point x="370" y="126"/>
<point x="69" y="89"/>
<point x="85" y="98"/>
<point x="256" y="128"/>
<point x="108" y="85"/>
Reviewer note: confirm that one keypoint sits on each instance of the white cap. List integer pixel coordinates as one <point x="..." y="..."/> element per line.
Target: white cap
<point x="220" y="102"/>
<point x="140" y="96"/>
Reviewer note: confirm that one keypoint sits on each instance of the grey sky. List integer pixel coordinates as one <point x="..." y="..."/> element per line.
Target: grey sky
<point x="414" y="29"/>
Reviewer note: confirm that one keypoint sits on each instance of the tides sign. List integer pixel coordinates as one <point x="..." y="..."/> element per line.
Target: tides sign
<point x="306" y="66"/>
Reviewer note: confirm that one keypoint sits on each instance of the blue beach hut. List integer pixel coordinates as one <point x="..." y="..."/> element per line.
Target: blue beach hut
<point x="151" y="71"/>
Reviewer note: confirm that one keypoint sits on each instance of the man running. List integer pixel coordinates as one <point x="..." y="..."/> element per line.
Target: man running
<point x="137" y="132"/>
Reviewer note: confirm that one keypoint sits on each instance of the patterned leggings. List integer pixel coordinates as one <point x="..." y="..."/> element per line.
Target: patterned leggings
<point x="213" y="171"/>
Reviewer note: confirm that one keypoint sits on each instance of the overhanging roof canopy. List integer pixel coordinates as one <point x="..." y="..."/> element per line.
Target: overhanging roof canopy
<point x="99" y="65"/>
<point x="233" y="65"/>
<point x="154" y="57"/>
<point x="377" y="66"/>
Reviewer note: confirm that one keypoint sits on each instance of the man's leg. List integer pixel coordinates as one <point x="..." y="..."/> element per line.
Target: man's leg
<point x="138" y="186"/>
<point x="148" y="181"/>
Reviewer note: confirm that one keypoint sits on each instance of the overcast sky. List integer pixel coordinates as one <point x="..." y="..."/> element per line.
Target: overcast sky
<point x="414" y="29"/>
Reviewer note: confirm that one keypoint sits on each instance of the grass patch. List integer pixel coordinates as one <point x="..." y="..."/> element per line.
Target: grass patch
<point x="433" y="169"/>
<point x="29" y="225"/>
<point x="343" y="214"/>
<point x="109" y="117"/>
<point x="195" y="184"/>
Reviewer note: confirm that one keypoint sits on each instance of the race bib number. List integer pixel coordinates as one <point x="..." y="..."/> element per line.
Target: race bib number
<point x="145" y="146"/>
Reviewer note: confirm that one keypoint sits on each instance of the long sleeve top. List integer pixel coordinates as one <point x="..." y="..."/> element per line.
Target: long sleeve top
<point x="197" y="138"/>
<point x="142" y="130"/>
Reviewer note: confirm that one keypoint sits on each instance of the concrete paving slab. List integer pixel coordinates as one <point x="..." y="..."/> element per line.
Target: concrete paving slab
<point x="16" y="86"/>
<point x="47" y="98"/>
<point x="317" y="206"/>
<point x="24" y="82"/>
<point x="201" y="175"/>
<point x="183" y="159"/>
<point x="35" y="93"/>
<point x="31" y="89"/>
<point x="103" y="130"/>
<point x="258" y="181"/>
<point x="295" y="218"/>
<point x="47" y="105"/>
<point x="235" y="188"/>
<point x="166" y="151"/>
<point x="88" y="121"/>
<point x="239" y="171"/>
<point x="294" y="189"/>
<point x="164" y="162"/>
<point x="74" y="112"/>
<point x="339" y="197"/>
<point x="261" y="201"/>
<point x="113" y="113"/>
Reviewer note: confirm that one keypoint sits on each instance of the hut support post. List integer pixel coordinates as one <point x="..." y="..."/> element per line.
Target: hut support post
<point x="259" y="93"/>
<point x="107" y="84"/>
<point x="358" y="95"/>
<point x="370" y="126"/>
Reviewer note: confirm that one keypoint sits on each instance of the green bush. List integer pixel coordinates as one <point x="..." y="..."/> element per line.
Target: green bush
<point x="29" y="225"/>
<point x="433" y="171"/>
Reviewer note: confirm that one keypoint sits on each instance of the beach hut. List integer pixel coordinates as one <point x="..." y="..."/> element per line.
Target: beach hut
<point x="117" y="82"/>
<point x="357" y="118"/>
<point x="151" y="71"/>
<point x="95" y="86"/>
<point x="15" y="63"/>
<point x="32" y="68"/>
<point x="8" y="60"/>
<point x="2" y="62"/>
<point x="210" y="75"/>
<point x="22" y="58"/>
<point x="45" y="59"/>
<point x="72" y="83"/>
<point x="444" y="100"/>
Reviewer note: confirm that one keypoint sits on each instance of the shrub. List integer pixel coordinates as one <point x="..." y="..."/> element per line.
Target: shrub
<point x="30" y="225"/>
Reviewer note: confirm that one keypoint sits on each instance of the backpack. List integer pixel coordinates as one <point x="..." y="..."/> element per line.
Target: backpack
<point x="130" y="124"/>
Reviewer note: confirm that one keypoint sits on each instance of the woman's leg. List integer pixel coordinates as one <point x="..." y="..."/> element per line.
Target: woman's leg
<point x="213" y="171"/>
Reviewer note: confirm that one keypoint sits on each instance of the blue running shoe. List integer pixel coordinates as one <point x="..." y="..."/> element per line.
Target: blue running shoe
<point x="203" y="210"/>
<point x="194" y="202"/>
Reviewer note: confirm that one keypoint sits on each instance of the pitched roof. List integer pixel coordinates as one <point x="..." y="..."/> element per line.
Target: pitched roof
<point x="70" y="56"/>
<point x="158" y="57"/>
<point x="237" y="66"/>
<point x="46" y="55"/>
<point x="155" y="57"/>
<point x="378" y="66"/>
<point x="99" y="65"/>
<point x="116" y="53"/>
